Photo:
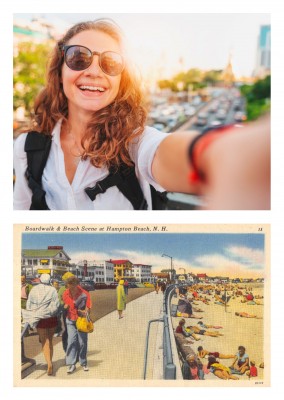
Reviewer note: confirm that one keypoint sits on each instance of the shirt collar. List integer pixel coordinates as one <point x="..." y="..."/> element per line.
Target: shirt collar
<point x="56" y="132"/>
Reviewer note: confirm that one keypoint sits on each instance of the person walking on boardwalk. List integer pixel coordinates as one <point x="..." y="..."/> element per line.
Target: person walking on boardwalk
<point x="78" y="304"/>
<point x="121" y="298"/>
<point x="41" y="312"/>
<point x="125" y="285"/>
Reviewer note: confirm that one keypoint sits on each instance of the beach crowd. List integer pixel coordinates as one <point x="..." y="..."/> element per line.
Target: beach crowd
<point x="199" y="363"/>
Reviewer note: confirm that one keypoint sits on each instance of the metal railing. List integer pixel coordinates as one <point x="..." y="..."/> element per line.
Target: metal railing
<point x="169" y="368"/>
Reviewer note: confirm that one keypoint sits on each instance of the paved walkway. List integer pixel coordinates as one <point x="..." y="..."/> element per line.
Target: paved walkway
<point x="116" y="348"/>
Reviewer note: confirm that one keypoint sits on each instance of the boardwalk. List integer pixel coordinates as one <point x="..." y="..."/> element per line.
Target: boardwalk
<point x="115" y="351"/>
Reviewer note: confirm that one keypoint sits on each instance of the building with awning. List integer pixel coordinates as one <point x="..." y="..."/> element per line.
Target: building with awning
<point x="53" y="260"/>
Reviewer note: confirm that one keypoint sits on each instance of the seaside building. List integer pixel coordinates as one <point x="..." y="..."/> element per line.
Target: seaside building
<point x="53" y="260"/>
<point x="142" y="272"/>
<point x="98" y="271"/>
<point x="163" y="276"/>
<point x="122" y="270"/>
<point x="201" y="277"/>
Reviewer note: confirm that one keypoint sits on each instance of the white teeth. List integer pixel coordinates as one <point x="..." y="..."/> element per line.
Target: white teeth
<point x="93" y="88"/>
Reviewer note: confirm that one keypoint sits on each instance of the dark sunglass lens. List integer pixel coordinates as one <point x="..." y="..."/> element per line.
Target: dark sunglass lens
<point x="78" y="58"/>
<point x="111" y="63"/>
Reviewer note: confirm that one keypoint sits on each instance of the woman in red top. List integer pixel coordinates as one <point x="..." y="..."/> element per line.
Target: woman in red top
<point x="78" y="303"/>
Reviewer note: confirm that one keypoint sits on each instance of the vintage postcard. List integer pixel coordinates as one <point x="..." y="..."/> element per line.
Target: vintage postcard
<point x="171" y="305"/>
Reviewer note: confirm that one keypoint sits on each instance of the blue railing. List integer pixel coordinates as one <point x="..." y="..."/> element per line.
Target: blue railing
<point x="169" y="368"/>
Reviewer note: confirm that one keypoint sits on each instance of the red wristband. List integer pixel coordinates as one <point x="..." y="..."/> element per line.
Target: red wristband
<point x="198" y="146"/>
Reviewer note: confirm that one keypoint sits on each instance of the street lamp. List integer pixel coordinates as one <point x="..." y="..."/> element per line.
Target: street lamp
<point x="165" y="255"/>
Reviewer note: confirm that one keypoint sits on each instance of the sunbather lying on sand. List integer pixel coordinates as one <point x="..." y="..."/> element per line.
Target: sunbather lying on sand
<point x="202" y="353"/>
<point x="220" y="370"/>
<point x="246" y="315"/>
<point x="205" y="326"/>
<point x="196" y="329"/>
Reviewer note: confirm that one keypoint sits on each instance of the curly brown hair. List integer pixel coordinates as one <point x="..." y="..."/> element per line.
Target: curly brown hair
<point x="111" y="129"/>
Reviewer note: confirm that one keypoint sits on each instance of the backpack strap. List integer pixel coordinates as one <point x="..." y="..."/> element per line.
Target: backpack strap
<point x="37" y="147"/>
<point x="159" y="199"/>
<point x="126" y="180"/>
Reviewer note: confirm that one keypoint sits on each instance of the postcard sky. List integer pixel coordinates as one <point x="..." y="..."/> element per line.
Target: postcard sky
<point x="163" y="44"/>
<point x="215" y="254"/>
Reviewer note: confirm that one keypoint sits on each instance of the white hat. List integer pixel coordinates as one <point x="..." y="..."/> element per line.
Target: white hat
<point x="45" y="278"/>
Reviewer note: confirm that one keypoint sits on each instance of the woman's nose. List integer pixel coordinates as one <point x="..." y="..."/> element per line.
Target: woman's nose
<point x="95" y="68"/>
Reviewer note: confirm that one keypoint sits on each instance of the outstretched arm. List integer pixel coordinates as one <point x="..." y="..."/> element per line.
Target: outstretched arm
<point x="235" y="167"/>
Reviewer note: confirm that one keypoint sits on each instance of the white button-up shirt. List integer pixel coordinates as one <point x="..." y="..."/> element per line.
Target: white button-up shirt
<point x="61" y="195"/>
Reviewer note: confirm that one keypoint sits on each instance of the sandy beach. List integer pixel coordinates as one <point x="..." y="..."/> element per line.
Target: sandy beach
<point x="248" y="332"/>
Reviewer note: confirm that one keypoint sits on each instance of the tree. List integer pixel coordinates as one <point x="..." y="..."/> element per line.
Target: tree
<point x="29" y="73"/>
<point x="257" y="97"/>
<point x="212" y="77"/>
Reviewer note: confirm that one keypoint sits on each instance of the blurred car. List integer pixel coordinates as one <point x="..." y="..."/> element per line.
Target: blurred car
<point x="148" y="284"/>
<point x="215" y="123"/>
<point x="159" y="126"/>
<point x="221" y="114"/>
<point x="172" y="122"/>
<point x="202" y="119"/>
<point x="189" y="111"/>
<point x="196" y="101"/>
<point x="238" y="105"/>
<point x="213" y="107"/>
<point x="132" y="285"/>
<point x="101" y="285"/>
<point x="240" y="116"/>
<point x="112" y="285"/>
<point x="35" y="281"/>
<point x="88" y="285"/>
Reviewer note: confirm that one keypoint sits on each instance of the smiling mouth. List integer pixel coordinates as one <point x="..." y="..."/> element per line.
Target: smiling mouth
<point x="85" y="88"/>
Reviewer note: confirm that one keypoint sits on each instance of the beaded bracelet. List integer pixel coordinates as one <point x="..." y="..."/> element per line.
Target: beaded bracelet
<point x="197" y="147"/>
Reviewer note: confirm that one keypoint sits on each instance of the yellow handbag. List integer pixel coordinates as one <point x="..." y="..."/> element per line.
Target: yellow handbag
<point x="85" y="324"/>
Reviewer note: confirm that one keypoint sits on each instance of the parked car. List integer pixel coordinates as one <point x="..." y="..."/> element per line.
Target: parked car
<point x="240" y="116"/>
<point x="101" y="285"/>
<point x="132" y="285"/>
<point x="148" y="284"/>
<point x="88" y="285"/>
<point x="112" y="285"/>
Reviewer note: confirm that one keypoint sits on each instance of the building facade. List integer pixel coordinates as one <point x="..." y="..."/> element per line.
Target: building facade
<point x="142" y="272"/>
<point x="98" y="271"/>
<point x="53" y="260"/>
<point x="263" y="58"/>
<point x="122" y="270"/>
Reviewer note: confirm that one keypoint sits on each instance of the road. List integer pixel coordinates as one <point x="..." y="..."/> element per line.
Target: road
<point x="181" y="201"/>
<point x="103" y="301"/>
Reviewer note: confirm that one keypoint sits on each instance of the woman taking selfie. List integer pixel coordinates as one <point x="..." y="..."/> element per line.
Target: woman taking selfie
<point x="101" y="154"/>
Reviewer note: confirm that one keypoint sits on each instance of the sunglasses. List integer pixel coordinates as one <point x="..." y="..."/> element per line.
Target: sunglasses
<point x="79" y="58"/>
